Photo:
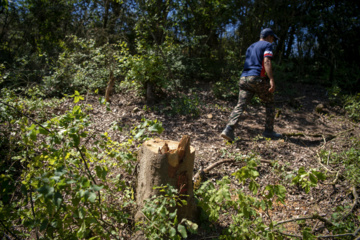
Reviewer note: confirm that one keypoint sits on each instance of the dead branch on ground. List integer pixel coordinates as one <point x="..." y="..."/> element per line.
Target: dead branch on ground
<point x="356" y="201"/>
<point x="320" y="218"/>
<point x="328" y="136"/>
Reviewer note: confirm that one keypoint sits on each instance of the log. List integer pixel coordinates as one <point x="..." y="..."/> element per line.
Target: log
<point x="164" y="162"/>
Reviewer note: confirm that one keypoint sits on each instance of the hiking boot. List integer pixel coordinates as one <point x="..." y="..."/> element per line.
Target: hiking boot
<point x="271" y="134"/>
<point x="228" y="134"/>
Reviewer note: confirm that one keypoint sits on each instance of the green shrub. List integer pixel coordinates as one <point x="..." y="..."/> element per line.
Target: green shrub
<point x="160" y="221"/>
<point x="185" y="105"/>
<point x="246" y="222"/>
<point x="349" y="158"/>
<point x="53" y="184"/>
<point x="227" y="88"/>
<point x="352" y="107"/>
<point x="160" y="66"/>
<point x="85" y="67"/>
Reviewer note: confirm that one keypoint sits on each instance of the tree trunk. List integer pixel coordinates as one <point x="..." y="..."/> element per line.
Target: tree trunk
<point x="106" y="15"/>
<point x="150" y="96"/>
<point x="164" y="162"/>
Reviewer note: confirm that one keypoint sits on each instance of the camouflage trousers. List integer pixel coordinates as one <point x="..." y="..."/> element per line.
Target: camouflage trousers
<point x="249" y="86"/>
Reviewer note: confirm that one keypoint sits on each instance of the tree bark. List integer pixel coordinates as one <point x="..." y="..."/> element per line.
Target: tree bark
<point x="164" y="162"/>
<point x="150" y="96"/>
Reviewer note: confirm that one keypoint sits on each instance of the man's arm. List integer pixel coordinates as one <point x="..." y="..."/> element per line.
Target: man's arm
<point x="268" y="69"/>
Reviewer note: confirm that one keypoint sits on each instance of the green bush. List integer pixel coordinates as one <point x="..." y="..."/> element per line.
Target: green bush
<point x="85" y="67"/>
<point x="246" y="223"/>
<point x="53" y="184"/>
<point x="160" y="66"/>
<point x="184" y="105"/>
<point x="349" y="158"/>
<point x="162" y="223"/>
<point x="352" y="107"/>
<point x="351" y="103"/>
<point x="227" y="88"/>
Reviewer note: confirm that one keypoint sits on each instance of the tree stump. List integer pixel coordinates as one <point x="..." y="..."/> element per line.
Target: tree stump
<point x="164" y="162"/>
<point x="110" y="86"/>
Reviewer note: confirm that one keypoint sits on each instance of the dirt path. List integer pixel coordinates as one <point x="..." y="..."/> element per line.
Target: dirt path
<point x="329" y="130"/>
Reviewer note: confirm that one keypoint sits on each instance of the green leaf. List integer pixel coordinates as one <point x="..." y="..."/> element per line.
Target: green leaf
<point x="60" y="171"/>
<point x="82" y="230"/>
<point x="270" y="188"/>
<point x="76" y="138"/>
<point x="57" y="199"/>
<point x="156" y="128"/>
<point x="254" y="173"/>
<point x="96" y="187"/>
<point x="172" y="215"/>
<point x="319" y="175"/>
<point x="172" y="232"/>
<point x="33" y="134"/>
<point x="270" y="236"/>
<point x="108" y="107"/>
<point x="82" y="213"/>
<point x="46" y="190"/>
<point x="295" y="180"/>
<point x="139" y="134"/>
<point x="101" y="172"/>
<point x="313" y="178"/>
<point x="307" y="235"/>
<point x="302" y="171"/>
<point x="85" y="183"/>
<point x="182" y="231"/>
<point x="44" y="224"/>
<point x="43" y="131"/>
<point x="253" y="186"/>
<point x="192" y="227"/>
<point x="92" y="197"/>
<point x="280" y="191"/>
<point x="102" y="101"/>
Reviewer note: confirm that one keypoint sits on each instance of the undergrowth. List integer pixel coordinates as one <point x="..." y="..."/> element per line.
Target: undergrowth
<point x="61" y="180"/>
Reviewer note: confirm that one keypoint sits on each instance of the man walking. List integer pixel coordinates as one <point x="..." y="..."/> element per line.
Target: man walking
<point x="256" y="78"/>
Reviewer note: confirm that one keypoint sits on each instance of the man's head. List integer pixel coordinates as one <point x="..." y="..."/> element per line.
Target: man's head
<point x="268" y="35"/>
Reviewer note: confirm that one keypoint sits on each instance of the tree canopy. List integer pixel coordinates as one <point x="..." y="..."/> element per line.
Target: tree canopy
<point x="318" y="39"/>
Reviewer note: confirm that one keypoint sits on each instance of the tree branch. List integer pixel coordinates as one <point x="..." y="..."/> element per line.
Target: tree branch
<point x="25" y="116"/>
<point x="33" y="212"/>
<point x="9" y="231"/>
<point x="340" y="235"/>
<point x="356" y="196"/>
<point x="89" y="173"/>
<point x="289" y="235"/>
<point x="315" y="216"/>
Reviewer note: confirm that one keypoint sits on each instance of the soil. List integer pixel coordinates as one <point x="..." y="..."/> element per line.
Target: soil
<point x="307" y="128"/>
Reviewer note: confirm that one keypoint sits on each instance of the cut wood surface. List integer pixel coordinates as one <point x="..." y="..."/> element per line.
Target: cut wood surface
<point x="163" y="162"/>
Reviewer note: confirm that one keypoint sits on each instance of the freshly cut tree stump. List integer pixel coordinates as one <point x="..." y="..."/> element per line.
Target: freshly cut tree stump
<point x="164" y="162"/>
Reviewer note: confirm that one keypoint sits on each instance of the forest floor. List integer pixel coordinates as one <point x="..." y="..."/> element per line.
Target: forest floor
<point x="306" y="132"/>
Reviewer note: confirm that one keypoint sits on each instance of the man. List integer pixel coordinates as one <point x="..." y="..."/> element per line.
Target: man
<point x="256" y="78"/>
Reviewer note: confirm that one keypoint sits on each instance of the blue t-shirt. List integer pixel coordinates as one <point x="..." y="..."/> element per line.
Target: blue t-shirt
<point x="254" y="62"/>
